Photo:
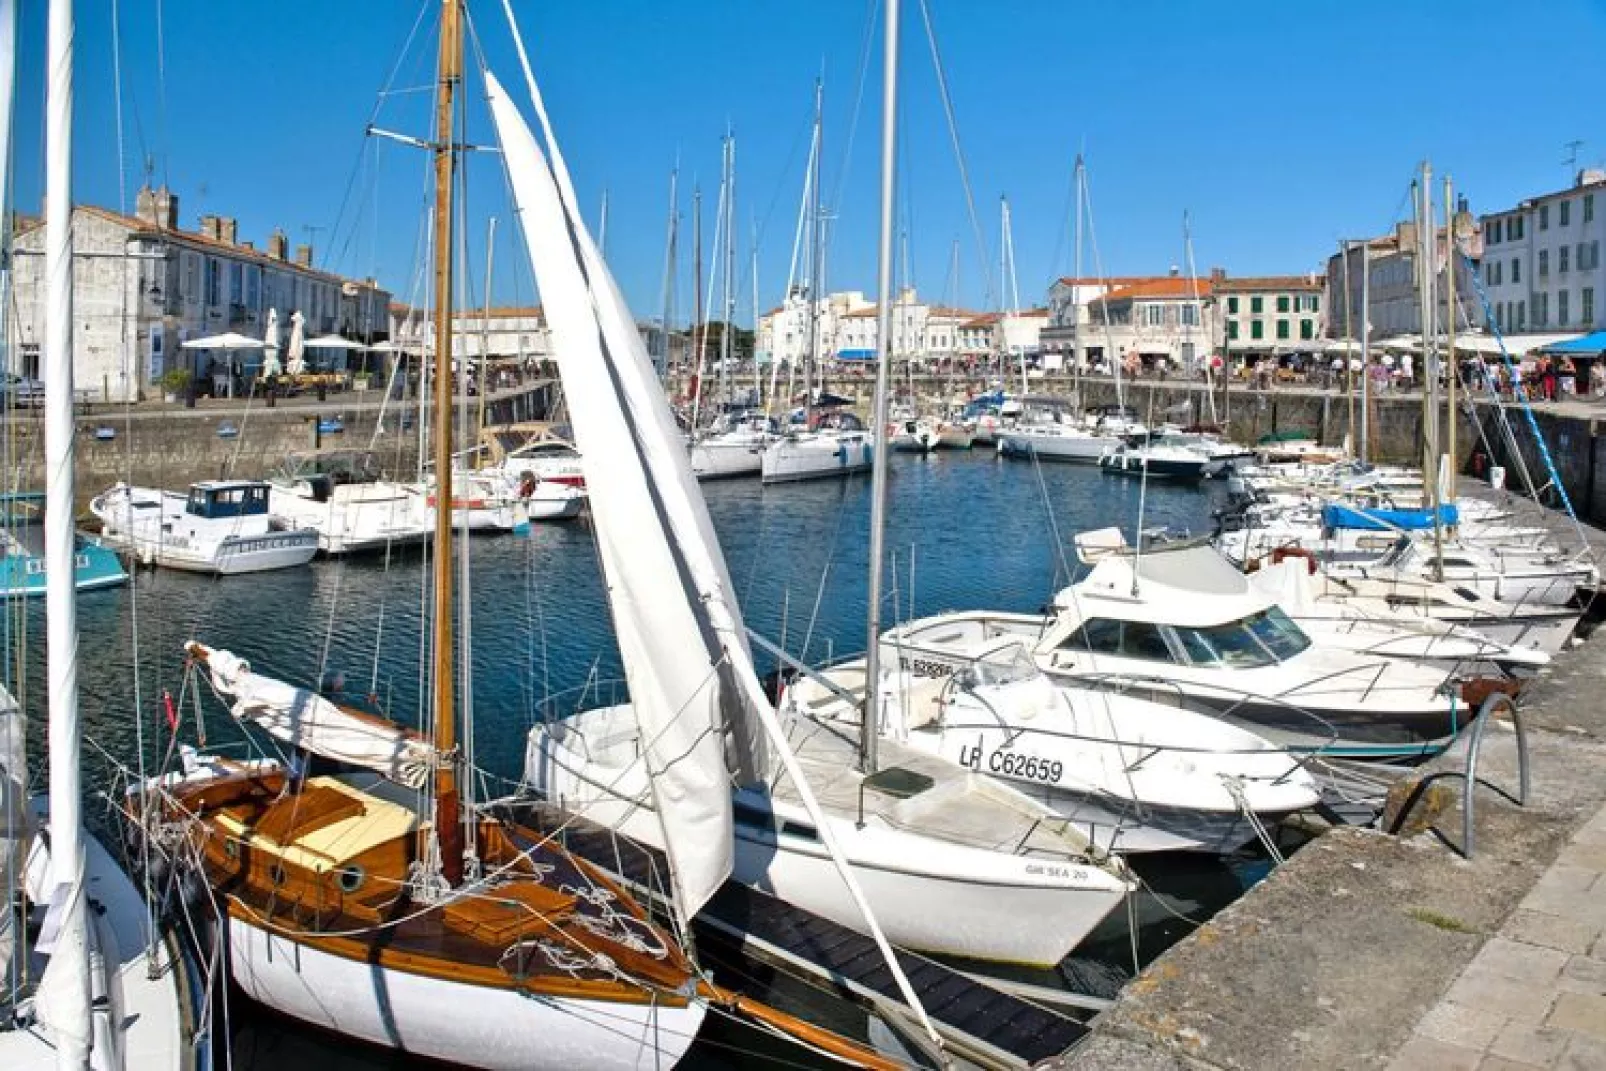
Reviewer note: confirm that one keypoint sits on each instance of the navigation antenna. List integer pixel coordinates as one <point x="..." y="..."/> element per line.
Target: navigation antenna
<point x="1572" y="148"/>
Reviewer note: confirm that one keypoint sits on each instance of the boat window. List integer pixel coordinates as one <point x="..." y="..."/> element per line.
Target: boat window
<point x="1230" y="645"/>
<point x="1100" y="636"/>
<point x="1281" y="636"/>
<point x="350" y="878"/>
<point x="1008" y="665"/>
<point x="1197" y="649"/>
<point x="1142" y="639"/>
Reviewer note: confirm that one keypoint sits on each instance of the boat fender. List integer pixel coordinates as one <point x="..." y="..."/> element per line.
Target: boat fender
<point x="1281" y="554"/>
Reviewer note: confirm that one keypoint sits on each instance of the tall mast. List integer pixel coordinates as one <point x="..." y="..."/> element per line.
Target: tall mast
<point x="1366" y="348"/>
<point x="1452" y="313"/>
<point x="671" y="264"/>
<point x="1425" y="239"/>
<point x="485" y="321"/>
<point x="1345" y="249"/>
<point x="698" y="329"/>
<point x="870" y="728"/>
<point x="730" y="269"/>
<point x="448" y="832"/>
<point x="1076" y="290"/>
<point x="816" y="251"/>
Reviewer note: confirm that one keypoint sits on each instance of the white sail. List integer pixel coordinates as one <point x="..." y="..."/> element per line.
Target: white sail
<point x="308" y="721"/>
<point x="678" y="633"/>
<point x="15" y="820"/>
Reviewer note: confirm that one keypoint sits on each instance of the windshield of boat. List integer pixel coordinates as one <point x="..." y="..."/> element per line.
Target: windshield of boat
<point x="1261" y="639"/>
<point x="1007" y="665"/>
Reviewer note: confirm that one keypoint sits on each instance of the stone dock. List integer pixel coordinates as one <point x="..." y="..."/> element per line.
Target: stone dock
<point x="1369" y="950"/>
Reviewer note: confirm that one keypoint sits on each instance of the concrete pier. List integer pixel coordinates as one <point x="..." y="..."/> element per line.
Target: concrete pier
<point x="1368" y="950"/>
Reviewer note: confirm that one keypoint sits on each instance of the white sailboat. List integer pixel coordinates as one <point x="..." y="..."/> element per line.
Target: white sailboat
<point x="940" y="857"/>
<point x="109" y="991"/>
<point x="354" y="509"/>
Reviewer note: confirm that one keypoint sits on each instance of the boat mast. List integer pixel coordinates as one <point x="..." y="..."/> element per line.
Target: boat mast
<point x="671" y="265"/>
<point x="816" y="251"/>
<point x="485" y="322"/>
<point x="1451" y="312"/>
<point x="870" y="728"/>
<point x="1366" y="348"/>
<point x="698" y="331"/>
<point x="1077" y="349"/>
<point x="730" y="269"/>
<point x="1346" y="248"/>
<point x="1425" y="240"/>
<point x="448" y="831"/>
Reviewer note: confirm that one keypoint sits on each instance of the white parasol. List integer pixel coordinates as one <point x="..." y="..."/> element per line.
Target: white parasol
<point x="270" y="344"/>
<point x="295" y="356"/>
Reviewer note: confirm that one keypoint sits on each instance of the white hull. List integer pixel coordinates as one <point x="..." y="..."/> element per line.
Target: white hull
<point x="1084" y="447"/>
<point x="154" y="1018"/>
<point x="927" y="894"/>
<point x="817" y="456"/>
<point x="358" y="517"/>
<point x="155" y="528"/>
<point x="454" y="1022"/>
<point x="231" y="557"/>
<point x="714" y="460"/>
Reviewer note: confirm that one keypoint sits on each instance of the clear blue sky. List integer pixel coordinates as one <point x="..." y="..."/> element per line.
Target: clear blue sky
<point x="1281" y="127"/>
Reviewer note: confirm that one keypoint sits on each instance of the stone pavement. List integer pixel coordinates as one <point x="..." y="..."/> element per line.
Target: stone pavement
<point x="1535" y="995"/>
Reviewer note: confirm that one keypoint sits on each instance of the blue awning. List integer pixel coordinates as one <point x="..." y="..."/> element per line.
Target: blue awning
<point x="1386" y="520"/>
<point x="855" y="355"/>
<point x="1584" y="345"/>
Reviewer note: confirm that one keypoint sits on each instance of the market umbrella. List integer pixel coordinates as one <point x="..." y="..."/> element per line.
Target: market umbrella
<point x="270" y="345"/>
<point x="295" y="357"/>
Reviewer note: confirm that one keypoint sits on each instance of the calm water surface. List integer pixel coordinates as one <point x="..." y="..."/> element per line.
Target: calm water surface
<point x="964" y="531"/>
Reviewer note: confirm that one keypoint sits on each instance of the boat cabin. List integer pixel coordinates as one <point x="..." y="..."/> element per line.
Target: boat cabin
<point x="227" y="498"/>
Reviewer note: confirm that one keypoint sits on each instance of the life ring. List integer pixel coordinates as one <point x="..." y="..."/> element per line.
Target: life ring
<point x="528" y="483"/>
<point x="1280" y="554"/>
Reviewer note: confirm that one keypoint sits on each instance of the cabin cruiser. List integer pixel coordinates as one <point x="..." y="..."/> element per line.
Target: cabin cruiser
<point x="1296" y="446"/>
<point x="914" y="435"/>
<point x="492" y="500"/>
<point x="836" y="444"/>
<point x="221" y="527"/>
<point x="1179" y="624"/>
<point x="542" y="450"/>
<point x="342" y="494"/>
<point x="1052" y="434"/>
<point x="1134" y="775"/>
<point x="1157" y="459"/>
<point x="732" y="446"/>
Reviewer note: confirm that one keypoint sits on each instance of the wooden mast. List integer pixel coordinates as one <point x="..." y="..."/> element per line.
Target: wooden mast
<point x="448" y="831"/>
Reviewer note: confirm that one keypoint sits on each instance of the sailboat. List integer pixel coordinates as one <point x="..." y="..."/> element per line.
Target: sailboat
<point x="917" y="851"/>
<point x="93" y="985"/>
<point x="831" y="441"/>
<point x="379" y="902"/>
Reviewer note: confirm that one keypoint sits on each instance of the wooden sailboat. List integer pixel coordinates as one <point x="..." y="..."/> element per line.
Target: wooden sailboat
<point x="374" y="903"/>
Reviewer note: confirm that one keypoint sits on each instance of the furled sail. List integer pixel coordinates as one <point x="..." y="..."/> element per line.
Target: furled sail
<point x="692" y="683"/>
<point x="15" y="821"/>
<point x="306" y="720"/>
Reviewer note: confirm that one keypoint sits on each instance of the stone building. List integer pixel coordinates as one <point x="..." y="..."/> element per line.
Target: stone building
<point x="1271" y="313"/>
<point x="1390" y="267"/>
<point x="1146" y="318"/>
<point x="142" y="285"/>
<point x="1541" y="262"/>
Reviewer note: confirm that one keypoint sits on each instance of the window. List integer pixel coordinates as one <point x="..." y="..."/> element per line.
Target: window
<point x="213" y="287"/>
<point x="1190" y="315"/>
<point x="1562" y="212"/>
<point x="1561" y="308"/>
<point x="1257" y="330"/>
<point x="1282" y="302"/>
<point x="1544" y="263"/>
<point x="1514" y="229"/>
<point x="1562" y="256"/>
<point x="253" y="279"/>
<point x="1541" y="310"/>
<point x="1494" y="273"/>
<point x="236" y="283"/>
<point x="1100" y="636"/>
<point x="1312" y="303"/>
<point x="1282" y="328"/>
<point x="1307" y="329"/>
<point x="1232" y="306"/>
<point x="1522" y="315"/>
<point x="1492" y="232"/>
<point x="1586" y="307"/>
<point x="1588" y="255"/>
<point x="1154" y="315"/>
<point x="1516" y="270"/>
<point x="1258" y="640"/>
<point x="190" y="282"/>
<point x="1257" y="304"/>
<point x="1589" y="208"/>
<point x="1232" y="328"/>
<point x="1544" y="217"/>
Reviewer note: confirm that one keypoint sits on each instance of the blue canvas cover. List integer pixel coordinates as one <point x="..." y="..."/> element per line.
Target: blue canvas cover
<point x="1386" y="520"/>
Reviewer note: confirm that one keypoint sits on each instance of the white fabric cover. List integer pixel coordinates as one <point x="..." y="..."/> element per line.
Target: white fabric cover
<point x="295" y="355"/>
<point x="679" y="632"/>
<point x="303" y="719"/>
<point x="15" y="820"/>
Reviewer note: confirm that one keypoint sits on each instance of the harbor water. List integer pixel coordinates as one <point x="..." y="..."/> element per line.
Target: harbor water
<point x="965" y="530"/>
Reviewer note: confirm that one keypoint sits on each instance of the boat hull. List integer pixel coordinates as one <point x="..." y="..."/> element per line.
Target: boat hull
<point x="1156" y="468"/>
<point x="720" y="461"/>
<point x="454" y="1022"/>
<point x="22" y="575"/>
<point x="790" y="460"/>
<point x="1083" y="449"/>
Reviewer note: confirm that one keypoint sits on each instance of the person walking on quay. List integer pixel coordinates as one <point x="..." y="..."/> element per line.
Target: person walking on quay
<point x="1597" y="377"/>
<point x="1407" y="372"/>
<point x="1547" y="378"/>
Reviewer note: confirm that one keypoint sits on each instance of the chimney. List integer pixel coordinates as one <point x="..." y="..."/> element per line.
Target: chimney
<point x="1590" y="175"/>
<point x="304" y="256"/>
<point x="212" y="227"/>
<point x="1218" y="276"/>
<point x="278" y="245"/>
<point x="159" y="208"/>
<point x="249" y="247"/>
<point x="228" y="230"/>
<point x="1175" y="271"/>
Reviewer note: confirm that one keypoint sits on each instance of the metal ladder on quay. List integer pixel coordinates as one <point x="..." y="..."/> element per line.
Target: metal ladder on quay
<point x="980" y="1023"/>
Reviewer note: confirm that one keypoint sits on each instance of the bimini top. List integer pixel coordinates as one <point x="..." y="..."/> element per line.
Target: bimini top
<point x="1190" y="585"/>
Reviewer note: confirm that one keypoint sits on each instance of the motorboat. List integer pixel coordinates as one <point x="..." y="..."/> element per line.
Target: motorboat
<point x="1296" y="446"/>
<point x="342" y="494"/>
<point x="490" y="501"/>
<point x="1134" y="775"/>
<point x="221" y="527"/>
<point x="955" y="435"/>
<point x="512" y="450"/>
<point x="22" y="552"/>
<point x="1058" y="442"/>
<point x="837" y="444"/>
<point x="914" y="435"/>
<point x="732" y="446"/>
<point x="1157" y="460"/>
